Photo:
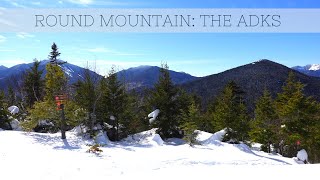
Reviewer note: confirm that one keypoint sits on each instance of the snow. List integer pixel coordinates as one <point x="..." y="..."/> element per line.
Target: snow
<point x="314" y="67"/>
<point x="36" y="156"/>
<point x="13" y="109"/>
<point x="146" y="138"/>
<point x="153" y="115"/>
<point x="213" y="139"/>
<point x="302" y="155"/>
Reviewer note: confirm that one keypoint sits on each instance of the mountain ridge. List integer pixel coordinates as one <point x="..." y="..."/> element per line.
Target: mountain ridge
<point x="253" y="78"/>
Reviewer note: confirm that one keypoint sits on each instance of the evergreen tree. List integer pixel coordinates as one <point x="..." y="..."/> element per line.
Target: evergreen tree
<point x="11" y="97"/>
<point x="298" y="114"/>
<point x="33" y="84"/>
<point x="87" y="96"/>
<point x="230" y="112"/>
<point x="113" y="104"/>
<point x="265" y="126"/>
<point x="190" y="119"/>
<point x="54" y="54"/>
<point x="166" y="98"/>
<point x="55" y="82"/>
<point x="4" y="120"/>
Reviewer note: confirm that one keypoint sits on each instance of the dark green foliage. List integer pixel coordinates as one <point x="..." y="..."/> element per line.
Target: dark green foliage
<point x="265" y="126"/>
<point x="299" y="117"/>
<point x="253" y="79"/>
<point x="190" y="119"/>
<point x="230" y="112"/>
<point x="54" y="54"/>
<point x="168" y="99"/>
<point x="87" y="95"/>
<point x="114" y="103"/>
<point x="11" y="96"/>
<point x="4" y="120"/>
<point x="33" y="84"/>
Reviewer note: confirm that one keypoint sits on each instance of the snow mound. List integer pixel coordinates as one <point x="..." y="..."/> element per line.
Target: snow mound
<point x="13" y="109"/>
<point x="302" y="155"/>
<point x="149" y="137"/>
<point x="209" y="138"/>
<point x="153" y="115"/>
<point x="102" y="138"/>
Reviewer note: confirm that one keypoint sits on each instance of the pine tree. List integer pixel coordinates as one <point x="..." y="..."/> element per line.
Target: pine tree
<point x="230" y="112"/>
<point x="11" y="97"/>
<point x="113" y="104"/>
<point x="33" y="84"/>
<point x="54" y="54"/>
<point x="87" y="96"/>
<point x="4" y="120"/>
<point x="189" y="124"/>
<point x="299" y="116"/>
<point x="165" y="97"/>
<point x="265" y="126"/>
<point x="55" y="82"/>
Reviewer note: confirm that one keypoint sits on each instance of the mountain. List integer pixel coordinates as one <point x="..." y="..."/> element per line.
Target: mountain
<point x="14" y="75"/>
<point x="147" y="76"/>
<point x="310" y="69"/>
<point x="3" y="67"/>
<point x="136" y="78"/>
<point x="253" y="79"/>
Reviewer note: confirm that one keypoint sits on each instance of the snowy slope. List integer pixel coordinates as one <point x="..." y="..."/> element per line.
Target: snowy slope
<point x="45" y="156"/>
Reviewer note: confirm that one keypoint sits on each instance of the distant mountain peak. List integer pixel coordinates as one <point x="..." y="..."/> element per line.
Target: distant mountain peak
<point x="310" y="69"/>
<point x="314" y="67"/>
<point x="2" y="67"/>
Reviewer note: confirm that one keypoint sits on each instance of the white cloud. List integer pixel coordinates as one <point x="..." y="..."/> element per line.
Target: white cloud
<point x="82" y="2"/>
<point x="2" y="39"/>
<point x="60" y="2"/>
<point x="15" y="4"/>
<point x="24" y="35"/>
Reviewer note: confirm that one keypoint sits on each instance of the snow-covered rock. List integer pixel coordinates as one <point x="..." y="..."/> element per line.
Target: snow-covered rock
<point x="102" y="138"/>
<point x="77" y="130"/>
<point x="156" y="138"/>
<point x="15" y="124"/>
<point x="149" y="137"/>
<point x="13" y="109"/>
<point x="302" y="155"/>
<point x="209" y="138"/>
<point x="45" y="123"/>
<point x="153" y="115"/>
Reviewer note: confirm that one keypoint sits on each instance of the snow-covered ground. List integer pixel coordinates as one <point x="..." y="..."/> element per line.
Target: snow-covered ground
<point x="38" y="156"/>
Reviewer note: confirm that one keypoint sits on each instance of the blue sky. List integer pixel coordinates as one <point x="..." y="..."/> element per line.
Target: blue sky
<point x="199" y="54"/>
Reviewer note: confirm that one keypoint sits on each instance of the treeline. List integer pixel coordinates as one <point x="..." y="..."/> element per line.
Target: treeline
<point x="284" y="124"/>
